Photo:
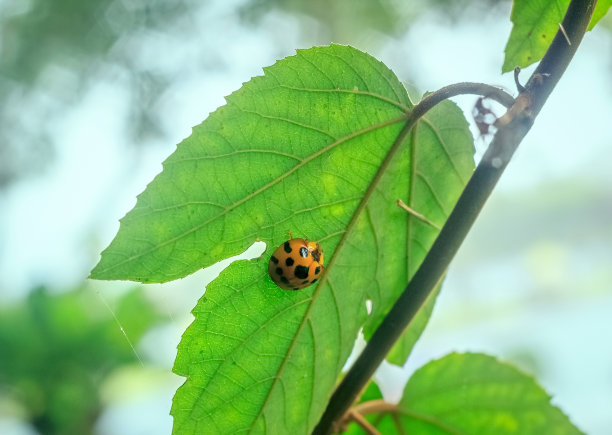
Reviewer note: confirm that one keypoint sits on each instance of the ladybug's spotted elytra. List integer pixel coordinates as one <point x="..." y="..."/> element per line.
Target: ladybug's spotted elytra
<point x="296" y="264"/>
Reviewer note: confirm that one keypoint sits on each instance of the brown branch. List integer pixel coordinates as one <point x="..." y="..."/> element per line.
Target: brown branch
<point x="362" y="422"/>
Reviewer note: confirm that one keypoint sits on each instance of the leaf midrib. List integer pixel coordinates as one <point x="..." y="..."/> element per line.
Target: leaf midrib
<point x="351" y="91"/>
<point x="356" y="214"/>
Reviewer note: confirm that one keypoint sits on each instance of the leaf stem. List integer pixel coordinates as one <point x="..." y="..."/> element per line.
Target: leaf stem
<point x="482" y="89"/>
<point x="511" y="130"/>
<point x="381" y="407"/>
<point x="362" y="422"/>
<point x="378" y="405"/>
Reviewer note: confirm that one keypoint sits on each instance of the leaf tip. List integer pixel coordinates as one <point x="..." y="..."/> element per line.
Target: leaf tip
<point x="97" y="272"/>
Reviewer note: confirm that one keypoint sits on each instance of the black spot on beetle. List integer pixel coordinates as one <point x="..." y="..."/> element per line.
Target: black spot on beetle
<point x="318" y="270"/>
<point x="284" y="279"/>
<point x="301" y="272"/>
<point x="304" y="252"/>
<point x="314" y="280"/>
<point x="289" y="261"/>
<point x="279" y="271"/>
<point x="274" y="260"/>
<point x="287" y="247"/>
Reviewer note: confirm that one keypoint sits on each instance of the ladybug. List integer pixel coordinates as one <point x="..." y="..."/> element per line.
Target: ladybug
<point x="296" y="264"/>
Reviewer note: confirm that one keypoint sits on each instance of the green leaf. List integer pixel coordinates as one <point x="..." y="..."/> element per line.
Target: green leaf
<point x="535" y="24"/>
<point x="293" y="150"/>
<point x="62" y="347"/>
<point x="475" y="393"/>
<point x="309" y="147"/>
<point x="601" y="9"/>
<point x="372" y="392"/>
<point x="258" y="358"/>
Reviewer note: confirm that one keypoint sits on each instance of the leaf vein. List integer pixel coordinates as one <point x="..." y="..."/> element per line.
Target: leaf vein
<point x="290" y="121"/>
<point x="233" y="153"/>
<point x="350" y="91"/>
<point x="262" y="189"/>
<point x="442" y="142"/>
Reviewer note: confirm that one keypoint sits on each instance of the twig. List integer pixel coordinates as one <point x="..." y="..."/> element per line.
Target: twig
<point x="357" y="412"/>
<point x="362" y="422"/>
<point x="375" y="406"/>
<point x="520" y="87"/>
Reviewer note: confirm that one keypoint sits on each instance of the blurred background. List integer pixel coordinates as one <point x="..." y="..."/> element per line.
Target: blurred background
<point x="95" y="94"/>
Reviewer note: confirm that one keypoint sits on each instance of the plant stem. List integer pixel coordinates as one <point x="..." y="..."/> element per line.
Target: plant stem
<point x="378" y="406"/>
<point x="511" y="129"/>
<point x="363" y="423"/>
<point x="487" y="91"/>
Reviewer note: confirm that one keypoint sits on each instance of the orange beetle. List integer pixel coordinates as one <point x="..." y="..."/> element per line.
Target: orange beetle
<point x="296" y="264"/>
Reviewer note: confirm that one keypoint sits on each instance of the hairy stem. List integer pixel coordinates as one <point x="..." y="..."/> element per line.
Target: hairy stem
<point x="511" y="130"/>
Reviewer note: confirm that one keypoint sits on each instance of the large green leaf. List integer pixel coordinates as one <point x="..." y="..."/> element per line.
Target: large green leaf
<point x="308" y="147"/>
<point x="476" y="394"/>
<point x="535" y="24"/>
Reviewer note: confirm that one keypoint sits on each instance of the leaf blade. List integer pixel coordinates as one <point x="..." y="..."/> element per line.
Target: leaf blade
<point x="302" y="148"/>
<point x="535" y="24"/>
<point x="174" y="216"/>
<point x="322" y="337"/>
<point x="475" y="393"/>
<point x="320" y="318"/>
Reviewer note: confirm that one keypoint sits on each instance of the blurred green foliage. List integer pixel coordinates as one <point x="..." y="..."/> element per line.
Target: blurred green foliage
<point x="349" y="18"/>
<point x="52" y="51"/>
<point x="58" y="349"/>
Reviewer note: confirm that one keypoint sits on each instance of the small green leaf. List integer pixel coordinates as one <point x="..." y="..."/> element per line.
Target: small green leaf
<point x="536" y="23"/>
<point x="476" y="394"/>
<point x="601" y="9"/>
<point x="372" y="392"/>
